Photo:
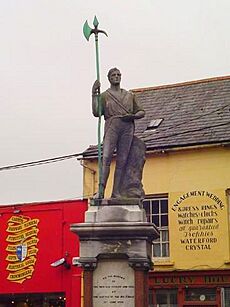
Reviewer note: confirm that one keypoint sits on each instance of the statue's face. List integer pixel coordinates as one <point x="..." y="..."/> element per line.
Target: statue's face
<point x="115" y="77"/>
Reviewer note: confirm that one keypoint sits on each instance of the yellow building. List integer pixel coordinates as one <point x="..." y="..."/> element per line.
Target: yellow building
<point x="186" y="180"/>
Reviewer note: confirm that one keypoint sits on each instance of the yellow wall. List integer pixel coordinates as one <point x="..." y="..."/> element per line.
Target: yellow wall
<point x="196" y="181"/>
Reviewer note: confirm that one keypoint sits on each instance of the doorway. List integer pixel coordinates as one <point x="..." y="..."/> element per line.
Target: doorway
<point x="163" y="298"/>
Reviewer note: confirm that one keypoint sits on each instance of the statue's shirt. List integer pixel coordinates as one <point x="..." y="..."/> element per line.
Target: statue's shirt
<point x="118" y="104"/>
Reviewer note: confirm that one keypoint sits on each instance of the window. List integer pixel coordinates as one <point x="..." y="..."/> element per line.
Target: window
<point x="154" y="123"/>
<point x="200" y="294"/>
<point x="226" y="297"/>
<point x="33" y="299"/>
<point x="157" y="212"/>
<point x="163" y="298"/>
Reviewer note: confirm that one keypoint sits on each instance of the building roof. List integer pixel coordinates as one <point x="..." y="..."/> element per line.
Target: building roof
<point x="193" y="114"/>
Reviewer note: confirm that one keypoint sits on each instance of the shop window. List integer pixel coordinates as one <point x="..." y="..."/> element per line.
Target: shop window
<point x="200" y="295"/>
<point x="157" y="212"/>
<point x="163" y="298"/>
<point x="226" y="297"/>
<point x="33" y="300"/>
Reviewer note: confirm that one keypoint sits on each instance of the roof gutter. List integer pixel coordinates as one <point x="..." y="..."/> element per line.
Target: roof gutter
<point x="192" y="147"/>
<point x="172" y="149"/>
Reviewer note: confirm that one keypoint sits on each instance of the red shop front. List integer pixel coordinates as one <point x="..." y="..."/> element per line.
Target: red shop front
<point x="36" y="251"/>
<point x="209" y="288"/>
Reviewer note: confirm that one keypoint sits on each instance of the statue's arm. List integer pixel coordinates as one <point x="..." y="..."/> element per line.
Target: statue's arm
<point x="138" y="110"/>
<point x="95" y="105"/>
<point x="139" y="114"/>
<point x="95" y="97"/>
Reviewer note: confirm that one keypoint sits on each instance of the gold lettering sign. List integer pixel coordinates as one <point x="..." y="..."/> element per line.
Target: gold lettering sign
<point x="199" y="228"/>
<point x="22" y="248"/>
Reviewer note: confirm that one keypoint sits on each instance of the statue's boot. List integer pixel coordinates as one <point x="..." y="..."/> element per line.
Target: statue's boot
<point x="97" y="196"/>
<point x="105" y="175"/>
<point x="116" y="184"/>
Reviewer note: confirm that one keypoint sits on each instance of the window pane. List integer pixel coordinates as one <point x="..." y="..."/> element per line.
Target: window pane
<point x="156" y="220"/>
<point x="165" y="250"/>
<point x="151" y="298"/>
<point x="164" y="206"/>
<point x="166" y="298"/>
<point x="227" y="297"/>
<point x="155" y="207"/>
<point x="164" y="220"/>
<point x="161" y="298"/>
<point x="146" y="206"/>
<point x="200" y="294"/>
<point x="33" y="299"/>
<point x="165" y="235"/>
<point x="173" y="298"/>
<point x="156" y="250"/>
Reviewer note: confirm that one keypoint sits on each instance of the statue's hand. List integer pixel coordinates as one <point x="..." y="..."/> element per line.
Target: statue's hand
<point x="128" y="117"/>
<point x="96" y="87"/>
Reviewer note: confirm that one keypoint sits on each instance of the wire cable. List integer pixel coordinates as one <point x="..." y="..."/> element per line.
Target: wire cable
<point x="145" y="138"/>
<point x="40" y="162"/>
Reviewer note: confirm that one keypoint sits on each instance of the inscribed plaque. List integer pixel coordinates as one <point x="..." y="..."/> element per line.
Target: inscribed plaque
<point x="113" y="284"/>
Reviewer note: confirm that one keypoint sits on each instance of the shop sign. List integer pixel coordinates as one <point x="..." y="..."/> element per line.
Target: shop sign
<point x="21" y="248"/>
<point x="203" y="279"/>
<point x="199" y="217"/>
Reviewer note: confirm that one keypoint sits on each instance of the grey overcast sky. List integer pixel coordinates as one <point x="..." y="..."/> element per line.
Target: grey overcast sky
<point x="47" y="68"/>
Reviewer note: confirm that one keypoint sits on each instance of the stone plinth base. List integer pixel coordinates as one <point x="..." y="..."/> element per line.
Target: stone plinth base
<point x="115" y="253"/>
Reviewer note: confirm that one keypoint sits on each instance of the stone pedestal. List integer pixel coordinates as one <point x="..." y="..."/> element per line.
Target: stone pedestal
<point x="115" y="253"/>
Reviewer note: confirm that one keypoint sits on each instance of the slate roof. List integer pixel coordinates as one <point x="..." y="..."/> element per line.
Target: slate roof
<point x="194" y="113"/>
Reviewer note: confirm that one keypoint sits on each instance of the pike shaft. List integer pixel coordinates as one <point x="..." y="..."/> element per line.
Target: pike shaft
<point x="99" y="122"/>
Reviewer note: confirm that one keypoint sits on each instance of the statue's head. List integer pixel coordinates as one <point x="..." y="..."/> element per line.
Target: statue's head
<point x="114" y="76"/>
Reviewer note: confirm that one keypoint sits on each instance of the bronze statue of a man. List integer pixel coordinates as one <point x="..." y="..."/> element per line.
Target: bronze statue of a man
<point x="119" y="108"/>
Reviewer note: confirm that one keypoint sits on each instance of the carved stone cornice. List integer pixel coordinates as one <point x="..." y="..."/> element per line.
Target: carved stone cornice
<point x="114" y="230"/>
<point x="140" y="264"/>
<point x="88" y="264"/>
